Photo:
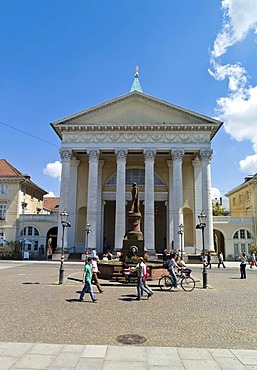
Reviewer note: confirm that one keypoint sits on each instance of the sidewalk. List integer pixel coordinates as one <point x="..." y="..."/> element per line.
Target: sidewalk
<point x="105" y="357"/>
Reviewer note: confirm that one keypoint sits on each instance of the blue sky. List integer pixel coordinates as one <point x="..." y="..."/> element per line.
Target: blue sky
<point x="58" y="57"/>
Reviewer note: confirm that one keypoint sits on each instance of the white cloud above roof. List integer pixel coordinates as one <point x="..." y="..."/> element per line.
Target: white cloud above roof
<point x="238" y="109"/>
<point x="53" y="169"/>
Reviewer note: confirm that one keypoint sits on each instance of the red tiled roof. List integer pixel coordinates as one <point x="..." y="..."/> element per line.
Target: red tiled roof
<point x="7" y="170"/>
<point x="51" y="203"/>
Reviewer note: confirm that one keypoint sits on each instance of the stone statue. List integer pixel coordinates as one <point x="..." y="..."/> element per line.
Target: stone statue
<point x="135" y="199"/>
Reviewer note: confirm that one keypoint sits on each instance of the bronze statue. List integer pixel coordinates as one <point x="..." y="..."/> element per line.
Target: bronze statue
<point x="135" y="199"/>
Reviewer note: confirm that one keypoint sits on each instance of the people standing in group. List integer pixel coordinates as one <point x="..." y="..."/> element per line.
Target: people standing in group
<point x="172" y="269"/>
<point x="209" y="260"/>
<point x="253" y="259"/>
<point x="243" y="262"/>
<point x="95" y="272"/>
<point x="141" y="272"/>
<point x="86" y="280"/>
<point x="221" y="260"/>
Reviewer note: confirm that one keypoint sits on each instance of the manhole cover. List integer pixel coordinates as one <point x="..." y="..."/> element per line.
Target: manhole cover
<point x="131" y="339"/>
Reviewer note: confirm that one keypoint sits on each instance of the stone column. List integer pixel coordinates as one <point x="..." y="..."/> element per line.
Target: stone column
<point x="205" y="158"/>
<point x="177" y="157"/>
<point x="198" y="201"/>
<point x="99" y="224"/>
<point x="120" y="213"/>
<point x="170" y="207"/>
<point x="92" y="201"/>
<point x="73" y="201"/>
<point x="149" y="226"/>
<point x="66" y="155"/>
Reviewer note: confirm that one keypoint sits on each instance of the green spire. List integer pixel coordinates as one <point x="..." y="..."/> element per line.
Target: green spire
<point x="136" y="84"/>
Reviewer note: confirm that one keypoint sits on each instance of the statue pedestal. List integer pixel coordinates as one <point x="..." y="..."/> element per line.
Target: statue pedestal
<point x="133" y="238"/>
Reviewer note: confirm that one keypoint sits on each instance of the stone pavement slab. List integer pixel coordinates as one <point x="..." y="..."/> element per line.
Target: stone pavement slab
<point x="21" y="356"/>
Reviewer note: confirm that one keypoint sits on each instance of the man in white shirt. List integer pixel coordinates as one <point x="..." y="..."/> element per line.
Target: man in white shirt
<point x="94" y="274"/>
<point x="141" y="271"/>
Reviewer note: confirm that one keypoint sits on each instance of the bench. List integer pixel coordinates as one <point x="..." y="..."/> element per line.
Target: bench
<point x="117" y="272"/>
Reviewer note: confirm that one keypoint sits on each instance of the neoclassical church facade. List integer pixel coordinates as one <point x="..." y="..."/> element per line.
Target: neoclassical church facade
<point x="138" y="138"/>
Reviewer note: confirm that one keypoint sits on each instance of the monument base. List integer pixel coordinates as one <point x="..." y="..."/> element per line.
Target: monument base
<point x="127" y="250"/>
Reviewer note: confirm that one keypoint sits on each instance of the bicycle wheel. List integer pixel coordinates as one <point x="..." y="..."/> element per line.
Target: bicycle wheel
<point x="187" y="284"/>
<point x="165" y="283"/>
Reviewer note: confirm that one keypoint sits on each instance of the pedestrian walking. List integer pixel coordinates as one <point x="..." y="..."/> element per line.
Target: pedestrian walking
<point x="208" y="260"/>
<point x="141" y="271"/>
<point x="243" y="266"/>
<point x="95" y="272"/>
<point x="86" y="280"/>
<point x="221" y="260"/>
<point x="253" y="259"/>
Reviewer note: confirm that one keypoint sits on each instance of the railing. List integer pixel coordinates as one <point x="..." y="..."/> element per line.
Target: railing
<point x="232" y="220"/>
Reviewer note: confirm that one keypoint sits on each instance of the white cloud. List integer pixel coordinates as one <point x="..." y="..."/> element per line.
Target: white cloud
<point x="50" y="195"/>
<point x="249" y="164"/>
<point x="53" y="169"/>
<point x="240" y="16"/>
<point x="215" y="193"/>
<point x="238" y="109"/>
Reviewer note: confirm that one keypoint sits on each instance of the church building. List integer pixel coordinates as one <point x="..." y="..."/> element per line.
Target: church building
<point x="138" y="138"/>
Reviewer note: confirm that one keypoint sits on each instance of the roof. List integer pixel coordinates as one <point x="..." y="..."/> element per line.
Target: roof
<point x="51" y="203"/>
<point x="8" y="171"/>
<point x="248" y="179"/>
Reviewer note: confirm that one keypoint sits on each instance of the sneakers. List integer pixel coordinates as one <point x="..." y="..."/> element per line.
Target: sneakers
<point x="149" y="295"/>
<point x="81" y="299"/>
<point x="94" y="301"/>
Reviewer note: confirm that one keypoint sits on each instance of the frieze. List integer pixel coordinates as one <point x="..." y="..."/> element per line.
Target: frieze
<point x="134" y="137"/>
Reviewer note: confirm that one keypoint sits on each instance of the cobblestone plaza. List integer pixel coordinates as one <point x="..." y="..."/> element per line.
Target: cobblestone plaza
<point x="34" y="308"/>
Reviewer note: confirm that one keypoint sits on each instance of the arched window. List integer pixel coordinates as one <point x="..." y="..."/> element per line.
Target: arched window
<point x="242" y="241"/>
<point x="135" y="175"/>
<point x="29" y="231"/>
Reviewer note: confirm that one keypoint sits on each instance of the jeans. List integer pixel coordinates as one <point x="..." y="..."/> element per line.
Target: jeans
<point x="140" y="287"/>
<point x="174" y="278"/>
<point x="87" y="289"/>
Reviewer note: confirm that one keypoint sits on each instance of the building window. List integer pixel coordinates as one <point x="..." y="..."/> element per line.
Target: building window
<point x="29" y="247"/>
<point x="240" y="198"/>
<point x="135" y="175"/>
<point x="236" y="249"/>
<point x="35" y="245"/>
<point x="249" y="236"/>
<point x="234" y="201"/>
<point x="242" y="234"/>
<point x="235" y="236"/>
<point x="247" y="195"/>
<point x="3" y="209"/>
<point x="29" y="231"/>
<point x="4" y="188"/>
<point x="243" y="247"/>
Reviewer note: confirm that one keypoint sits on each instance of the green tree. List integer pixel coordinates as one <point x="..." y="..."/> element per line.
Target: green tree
<point x="217" y="210"/>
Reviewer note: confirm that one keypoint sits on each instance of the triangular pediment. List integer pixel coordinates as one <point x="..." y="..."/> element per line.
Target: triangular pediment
<point x="135" y="108"/>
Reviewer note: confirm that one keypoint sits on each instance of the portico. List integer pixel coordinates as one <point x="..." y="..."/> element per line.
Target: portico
<point x="166" y="149"/>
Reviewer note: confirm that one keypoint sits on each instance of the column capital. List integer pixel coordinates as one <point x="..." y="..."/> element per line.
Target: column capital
<point x="149" y="154"/>
<point x="93" y="154"/>
<point x="121" y="155"/>
<point x="177" y="154"/>
<point x="205" y="155"/>
<point x="65" y="154"/>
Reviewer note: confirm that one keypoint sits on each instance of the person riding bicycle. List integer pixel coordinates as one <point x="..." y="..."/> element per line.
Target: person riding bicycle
<point x="184" y="267"/>
<point x="172" y="269"/>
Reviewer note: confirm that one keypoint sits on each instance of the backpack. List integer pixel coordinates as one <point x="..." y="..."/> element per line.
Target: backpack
<point x="166" y="265"/>
<point x="147" y="274"/>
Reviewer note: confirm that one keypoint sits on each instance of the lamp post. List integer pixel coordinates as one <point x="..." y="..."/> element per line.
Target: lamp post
<point x="23" y="206"/>
<point x="180" y="232"/>
<point x="202" y="224"/>
<point x="64" y="216"/>
<point x="87" y="235"/>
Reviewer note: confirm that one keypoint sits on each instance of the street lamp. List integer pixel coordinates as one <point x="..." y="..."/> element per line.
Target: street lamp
<point x="180" y="232"/>
<point x="202" y="224"/>
<point x="87" y="234"/>
<point x="64" y="216"/>
<point x="23" y="206"/>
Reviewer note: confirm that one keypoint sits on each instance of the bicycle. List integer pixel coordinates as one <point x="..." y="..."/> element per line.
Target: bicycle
<point x="184" y="279"/>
